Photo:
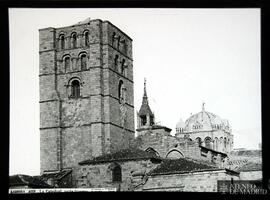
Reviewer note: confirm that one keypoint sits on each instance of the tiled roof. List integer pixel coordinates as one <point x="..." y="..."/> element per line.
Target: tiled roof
<point x="145" y="109"/>
<point x="55" y="175"/>
<point x="181" y="165"/>
<point x="250" y="166"/>
<point x="122" y="155"/>
<point x="245" y="152"/>
<point x="22" y="180"/>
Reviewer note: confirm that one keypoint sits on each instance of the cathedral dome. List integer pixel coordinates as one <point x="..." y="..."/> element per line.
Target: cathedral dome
<point x="206" y="121"/>
<point x="180" y="124"/>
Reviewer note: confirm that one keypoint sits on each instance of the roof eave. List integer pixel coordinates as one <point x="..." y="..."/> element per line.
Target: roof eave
<point x="92" y="162"/>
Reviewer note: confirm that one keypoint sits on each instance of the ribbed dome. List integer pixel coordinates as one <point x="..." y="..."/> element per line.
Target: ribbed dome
<point x="205" y="121"/>
<point x="180" y="124"/>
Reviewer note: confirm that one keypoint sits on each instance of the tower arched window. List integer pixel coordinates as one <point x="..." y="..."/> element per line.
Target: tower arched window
<point x="118" y="41"/>
<point x="67" y="63"/>
<point x="120" y="90"/>
<point x="123" y="67"/>
<point x="75" y="89"/>
<point x="116" y="61"/>
<point x="117" y="174"/>
<point x="62" y="41"/>
<point x="199" y="140"/>
<point x="216" y="144"/>
<point x="113" y="38"/>
<point x="124" y="46"/>
<point x="207" y="141"/>
<point x="83" y="62"/>
<point x="86" y="38"/>
<point x="143" y="120"/>
<point x="74" y="40"/>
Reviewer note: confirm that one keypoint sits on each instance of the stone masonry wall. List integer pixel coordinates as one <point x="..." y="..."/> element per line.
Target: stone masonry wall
<point x="100" y="175"/>
<point x="48" y="149"/>
<point x="76" y="145"/>
<point x="191" y="182"/>
<point x="163" y="144"/>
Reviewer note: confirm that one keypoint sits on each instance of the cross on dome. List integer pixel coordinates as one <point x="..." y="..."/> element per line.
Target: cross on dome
<point x="203" y="106"/>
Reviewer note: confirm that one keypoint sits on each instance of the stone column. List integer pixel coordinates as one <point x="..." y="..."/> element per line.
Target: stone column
<point x="79" y="44"/>
<point x="67" y="43"/>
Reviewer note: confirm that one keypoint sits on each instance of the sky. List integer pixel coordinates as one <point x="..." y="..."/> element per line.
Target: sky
<point x="188" y="56"/>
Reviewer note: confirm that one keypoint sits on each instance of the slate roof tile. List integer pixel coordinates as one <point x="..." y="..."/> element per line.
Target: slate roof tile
<point x="122" y="155"/>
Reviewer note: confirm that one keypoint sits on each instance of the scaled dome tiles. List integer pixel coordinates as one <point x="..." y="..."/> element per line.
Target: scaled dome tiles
<point x="204" y="121"/>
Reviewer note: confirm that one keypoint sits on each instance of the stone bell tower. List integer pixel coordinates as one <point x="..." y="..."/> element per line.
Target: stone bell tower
<point x="145" y="117"/>
<point x="86" y="92"/>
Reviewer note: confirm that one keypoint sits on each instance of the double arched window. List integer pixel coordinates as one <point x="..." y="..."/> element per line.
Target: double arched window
<point x="120" y="90"/>
<point x="199" y="140"/>
<point x="216" y="144"/>
<point x="62" y="41"/>
<point x="225" y="142"/>
<point x="116" y="61"/>
<point x="207" y="142"/>
<point x="67" y="63"/>
<point x="113" y="38"/>
<point x="86" y="38"/>
<point x="124" y="46"/>
<point x="83" y="62"/>
<point x="74" y="40"/>
<point x="123" y="67"/>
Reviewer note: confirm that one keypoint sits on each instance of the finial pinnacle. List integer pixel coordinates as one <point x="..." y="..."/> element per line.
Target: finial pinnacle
<point x="145" y="98"/>
<point x="144" y="82"/>
<point x="145" y="87"/>
<point x="203" y="106"/>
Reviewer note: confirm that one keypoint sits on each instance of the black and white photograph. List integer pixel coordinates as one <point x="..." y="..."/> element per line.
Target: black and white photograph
<point x="135" y="99"/>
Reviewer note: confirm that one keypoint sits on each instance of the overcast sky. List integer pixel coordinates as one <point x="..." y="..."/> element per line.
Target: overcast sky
<point x="186" y="55"/>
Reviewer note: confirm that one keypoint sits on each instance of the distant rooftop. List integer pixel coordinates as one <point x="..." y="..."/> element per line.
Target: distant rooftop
<point x="250" y="166"/>
<point x="246" y="152"/>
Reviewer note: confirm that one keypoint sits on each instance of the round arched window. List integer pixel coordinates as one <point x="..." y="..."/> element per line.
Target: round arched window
<point x="116" y="174"/>
<point x="62" y="41"/>
<point x="86" y="38"/>
<point x="83" y="62"/>
<point x="75" y="89"/>
<point x="74" y="40"/>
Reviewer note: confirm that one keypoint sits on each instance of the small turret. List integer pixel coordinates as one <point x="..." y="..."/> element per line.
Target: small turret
<point x="145" y="115"/>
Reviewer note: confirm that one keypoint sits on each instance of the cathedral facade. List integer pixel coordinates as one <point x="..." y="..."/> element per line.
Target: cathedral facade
<point x="87" y="133"/>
